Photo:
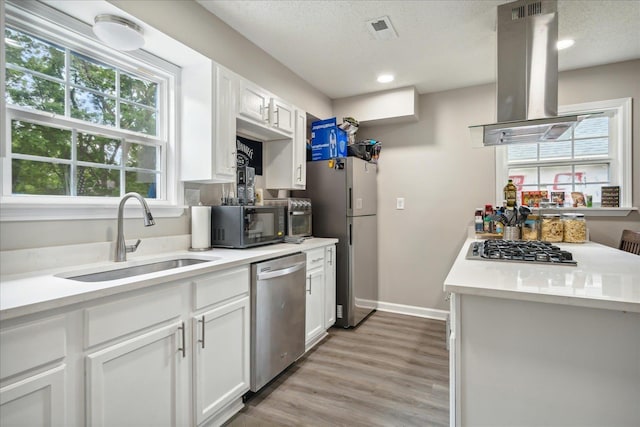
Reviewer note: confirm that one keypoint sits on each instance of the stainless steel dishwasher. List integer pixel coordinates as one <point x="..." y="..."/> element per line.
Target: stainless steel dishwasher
<point x="278" y="301"/>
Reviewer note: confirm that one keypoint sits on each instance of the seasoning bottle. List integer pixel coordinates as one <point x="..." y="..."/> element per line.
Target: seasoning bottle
<point x="488" y="219"/>
<point x="510" y="194"/>
<point x="479" y="221"/>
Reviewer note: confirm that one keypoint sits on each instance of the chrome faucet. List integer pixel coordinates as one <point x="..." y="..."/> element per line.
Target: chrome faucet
<point x="121" y="247"/>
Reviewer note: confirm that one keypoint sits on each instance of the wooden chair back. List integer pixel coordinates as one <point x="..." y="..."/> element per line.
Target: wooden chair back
<point x="630" y="241"/>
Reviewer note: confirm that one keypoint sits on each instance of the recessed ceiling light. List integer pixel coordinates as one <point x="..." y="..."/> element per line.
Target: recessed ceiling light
<point x="564" y="44"/>
<point x="385" y="78"/>
<point x="118" y="33"/>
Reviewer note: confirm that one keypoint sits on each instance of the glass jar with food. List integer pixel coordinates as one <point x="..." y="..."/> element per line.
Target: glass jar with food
<point x="574" y="228"/>
<point x="531" y="228"/>
<point x="551" y="228"/>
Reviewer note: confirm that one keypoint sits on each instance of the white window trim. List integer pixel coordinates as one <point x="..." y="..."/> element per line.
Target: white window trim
<point x="621" y="172"/>
<point x="40" y="208"/>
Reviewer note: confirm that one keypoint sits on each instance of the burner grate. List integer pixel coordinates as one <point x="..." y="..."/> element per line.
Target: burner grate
<point x="529" y="251"/>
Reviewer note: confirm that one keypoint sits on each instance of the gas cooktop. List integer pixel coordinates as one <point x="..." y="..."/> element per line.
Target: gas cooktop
<point x="516" y="251"/>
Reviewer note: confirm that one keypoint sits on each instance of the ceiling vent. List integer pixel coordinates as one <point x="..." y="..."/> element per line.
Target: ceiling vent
<point x="381" y="29"/>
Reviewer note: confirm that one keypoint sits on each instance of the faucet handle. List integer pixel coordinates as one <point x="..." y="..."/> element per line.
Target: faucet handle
<point x="132" y="248"/>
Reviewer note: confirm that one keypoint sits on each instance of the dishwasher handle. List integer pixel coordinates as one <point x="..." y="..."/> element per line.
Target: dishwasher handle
<point x="281" y="272"/>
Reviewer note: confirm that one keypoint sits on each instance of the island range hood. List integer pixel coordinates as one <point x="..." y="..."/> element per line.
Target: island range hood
<point x="527" y="80"/>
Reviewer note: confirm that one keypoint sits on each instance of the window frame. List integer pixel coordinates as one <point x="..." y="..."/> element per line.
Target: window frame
<point x="619" y="159"/>
<point x="43" y="21"/>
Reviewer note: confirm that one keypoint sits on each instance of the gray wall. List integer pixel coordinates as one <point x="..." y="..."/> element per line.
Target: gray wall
<point x="431" y="164"/>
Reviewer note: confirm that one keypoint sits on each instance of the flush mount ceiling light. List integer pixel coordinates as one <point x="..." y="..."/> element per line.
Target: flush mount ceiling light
<point x="564" y="44"/>
<point x="118" y="33"/>
<point x="385" y="78"/>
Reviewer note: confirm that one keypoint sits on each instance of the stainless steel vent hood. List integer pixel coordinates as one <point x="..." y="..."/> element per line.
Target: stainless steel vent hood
<point x="527" y="80"/>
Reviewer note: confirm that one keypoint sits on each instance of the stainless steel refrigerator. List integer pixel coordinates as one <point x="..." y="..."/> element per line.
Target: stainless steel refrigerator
<point x="344" y="205"/>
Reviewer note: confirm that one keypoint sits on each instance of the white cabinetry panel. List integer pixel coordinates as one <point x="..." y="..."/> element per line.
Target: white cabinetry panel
<point x="37" y="401"/>
<point x="330" y="287"/>
<point x="221" y="367"/>
<point x="208" y="152"/>
<point x="139" y="381"/>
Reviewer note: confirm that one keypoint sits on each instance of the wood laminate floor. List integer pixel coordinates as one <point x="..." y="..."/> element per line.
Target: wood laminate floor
<point x="392" y="370"/>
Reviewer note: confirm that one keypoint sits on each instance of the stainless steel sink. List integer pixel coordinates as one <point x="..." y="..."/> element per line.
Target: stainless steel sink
<point x="136" y="270"/>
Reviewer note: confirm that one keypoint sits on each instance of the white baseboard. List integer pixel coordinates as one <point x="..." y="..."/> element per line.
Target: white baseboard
<point x="410" y="310"/>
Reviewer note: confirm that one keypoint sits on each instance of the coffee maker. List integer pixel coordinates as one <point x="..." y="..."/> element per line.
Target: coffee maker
<point x="246" y="185"/>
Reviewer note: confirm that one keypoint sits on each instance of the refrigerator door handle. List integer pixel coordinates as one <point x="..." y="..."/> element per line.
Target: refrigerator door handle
<point x="350" y="234"/>
<point x="350" y="198"/>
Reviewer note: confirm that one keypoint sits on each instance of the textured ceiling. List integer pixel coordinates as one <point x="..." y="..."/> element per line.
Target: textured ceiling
<point x="441" y="45"/>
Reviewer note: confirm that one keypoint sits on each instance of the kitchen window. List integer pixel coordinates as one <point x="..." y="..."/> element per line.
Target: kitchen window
<point x="594" y="153"/>
<point x="84" y="124"/>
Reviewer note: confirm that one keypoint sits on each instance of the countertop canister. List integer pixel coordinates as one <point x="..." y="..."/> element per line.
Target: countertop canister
<point x="200" y="227"/>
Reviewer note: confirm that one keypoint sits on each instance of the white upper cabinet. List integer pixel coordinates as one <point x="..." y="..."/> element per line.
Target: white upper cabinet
<point x="263" y="115"/>
<point x="283" y="116"/>
<point x="208" y="143"/>
<point x="217" y="104"/>
<point x="254" y="103"/>
<point x="300" y="151"/>
<point x="286" y="159"/>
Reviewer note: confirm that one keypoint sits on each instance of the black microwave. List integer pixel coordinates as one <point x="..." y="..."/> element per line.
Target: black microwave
<point x="246" y="226"/>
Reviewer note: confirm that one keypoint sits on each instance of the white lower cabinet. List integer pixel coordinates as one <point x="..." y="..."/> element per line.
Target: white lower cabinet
<point x="221" y="357"/>
<point x="175" y="354"/>
<point x="140" y="381"/>
<point x="321" y="294"/>
<point x="330" y="286"/>
<point x="33" y="373"/>
<point x="38" y="400"/>
<point x="314" y="320"/>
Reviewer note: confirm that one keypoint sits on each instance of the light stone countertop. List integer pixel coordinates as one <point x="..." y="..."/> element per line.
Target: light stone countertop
<point x="25" y="291"/>
<point x="604" y="278"/>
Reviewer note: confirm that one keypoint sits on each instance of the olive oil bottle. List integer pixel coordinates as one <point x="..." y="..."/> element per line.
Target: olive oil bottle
<point x="510" y="192"/>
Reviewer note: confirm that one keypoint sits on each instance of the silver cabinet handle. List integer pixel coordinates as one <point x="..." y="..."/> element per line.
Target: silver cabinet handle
<point x="277" y="122"/>
<point x="183" y="349"/>
<point x="299" y="172"/>
<point x="203" y="325"/>
<point x="330" y="256"/>
<point x="310" y="280"/>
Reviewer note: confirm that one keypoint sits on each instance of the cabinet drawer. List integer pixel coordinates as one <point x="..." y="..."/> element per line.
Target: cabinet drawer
<point x="31" y="345"/>
<point x="125" y="316"/>
<point x="216" y="287"/>
<point x="315" y="258"/>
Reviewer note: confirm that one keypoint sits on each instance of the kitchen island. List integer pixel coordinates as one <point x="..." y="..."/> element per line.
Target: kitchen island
<point x="534" y="344"/>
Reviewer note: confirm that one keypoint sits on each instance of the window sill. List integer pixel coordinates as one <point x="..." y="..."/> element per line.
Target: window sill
<point x="591" y="212"/>
<point x="19" y="212"/>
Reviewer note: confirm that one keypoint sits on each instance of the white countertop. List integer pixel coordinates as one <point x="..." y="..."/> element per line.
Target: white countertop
<point x="30" y="292"/>
<point x="604" y="278"/>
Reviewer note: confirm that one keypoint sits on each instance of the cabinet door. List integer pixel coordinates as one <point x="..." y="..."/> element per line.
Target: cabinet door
<point x="221" y="353"/>
<point x="209" y="103"/>
<point x="330" y="287"/>
<point x="314" y="321"/>
<point x="35" y="401"/>
<point x="141" y="381"/>
<point x="254" y="103"/>
<point x="283" y="116"/>
<point x="300" y="151"/>
<point x="225" y="143"/>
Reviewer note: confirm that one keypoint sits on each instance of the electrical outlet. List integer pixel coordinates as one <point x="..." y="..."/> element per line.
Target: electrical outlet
<point x="400" y="203"/>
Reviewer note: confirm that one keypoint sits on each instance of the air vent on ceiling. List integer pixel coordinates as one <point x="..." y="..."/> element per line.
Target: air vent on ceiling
<point x="517" y="13"/>
<point x="381" y="28"/>
<point x="534" y="9"/>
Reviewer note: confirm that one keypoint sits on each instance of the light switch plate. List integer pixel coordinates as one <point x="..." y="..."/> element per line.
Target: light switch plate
<point x="400" y="203"/>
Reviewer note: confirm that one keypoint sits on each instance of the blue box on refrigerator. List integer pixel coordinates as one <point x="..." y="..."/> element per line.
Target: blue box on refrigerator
<point x="328" y="141"/>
